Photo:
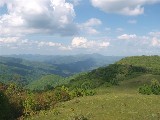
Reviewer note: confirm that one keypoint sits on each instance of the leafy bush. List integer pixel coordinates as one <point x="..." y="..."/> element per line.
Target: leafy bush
<point x="16" y="96"/>
<point x="62" y="94"/>
<point x="86" y="85"/>
<point x="154" y="88"/>
<point x="78" y="92"/>
<point x="29" y="105"/>
<point x="145" y="89"/>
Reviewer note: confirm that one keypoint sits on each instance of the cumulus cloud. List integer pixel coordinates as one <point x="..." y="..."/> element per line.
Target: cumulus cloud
<point x="76" y="43"/>
<point x="127" y="37"/>
<point x="38" y="16"/>
<point x="90" y="25"/>
<point x="155" y="42"/>
<point x="81" y="42"/>
<point x="93" y="22"/>
<point x="124" y="7"/>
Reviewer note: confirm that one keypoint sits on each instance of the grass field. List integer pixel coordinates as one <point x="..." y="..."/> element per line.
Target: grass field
<point x="121" y="102"/>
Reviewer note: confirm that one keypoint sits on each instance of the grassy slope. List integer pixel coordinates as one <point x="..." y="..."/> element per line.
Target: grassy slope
<point x="115" y="103"/>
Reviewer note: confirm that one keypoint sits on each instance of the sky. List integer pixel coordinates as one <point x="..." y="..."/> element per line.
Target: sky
<point x="68" y="27"/>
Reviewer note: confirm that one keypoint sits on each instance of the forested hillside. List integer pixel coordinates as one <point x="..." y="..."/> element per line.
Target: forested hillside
<point x="24" y="69"/>
<point x="126" y="68"/>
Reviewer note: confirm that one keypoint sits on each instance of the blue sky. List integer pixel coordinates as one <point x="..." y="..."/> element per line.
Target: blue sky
<point x="51" y="27"/>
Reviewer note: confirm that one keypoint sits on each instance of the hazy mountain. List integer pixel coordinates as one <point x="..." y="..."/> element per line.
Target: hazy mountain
<point x="28" y="68"/>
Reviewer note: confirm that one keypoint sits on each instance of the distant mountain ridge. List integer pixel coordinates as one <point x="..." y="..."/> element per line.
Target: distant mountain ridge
<point x="28" y="68"/>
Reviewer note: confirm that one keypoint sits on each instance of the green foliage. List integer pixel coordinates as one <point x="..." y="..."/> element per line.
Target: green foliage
<point x="29" y="68"/>
<point x="151" y="63"/>
<point x="111" y="74"/>
<point x="5" y="112"/>
<point x="62" y="94"/>
<point x="79" y="92"/>
<point x="47" y="82"/>
<point x="154" y="88"/>
<point x="126" y="68"/>
<point x="145" y="89"/>
<point x="86" y="85"/>
<point x="15" y="95"/>
<point x="29" y="105"/>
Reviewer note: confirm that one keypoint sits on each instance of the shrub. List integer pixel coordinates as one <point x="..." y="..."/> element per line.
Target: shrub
<point x="78" y="92"/>
<point x="42" y="101"/>
<point x="155" y="86"/>
<point x="145" y="89"/>
<point x="86" y="85"/>
<point x="62" y="94"/>
<point x="29" y="105"/>
<point x="114" y="81"/>
<point x="15" y="95"/>
<point x="89" y="92"/>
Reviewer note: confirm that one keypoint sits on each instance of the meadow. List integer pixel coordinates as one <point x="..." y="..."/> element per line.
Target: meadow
<point x="122" y="102"/>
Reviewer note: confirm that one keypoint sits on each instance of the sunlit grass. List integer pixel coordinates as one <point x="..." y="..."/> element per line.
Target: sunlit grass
<point x="122" y="102"/>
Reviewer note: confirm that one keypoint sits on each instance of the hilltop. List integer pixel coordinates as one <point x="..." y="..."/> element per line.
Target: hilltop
<point x="126" y="68"/>
<point x="117" y="94"/>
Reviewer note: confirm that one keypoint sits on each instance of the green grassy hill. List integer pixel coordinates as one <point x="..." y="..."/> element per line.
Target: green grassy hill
<point x="151" y="63"/>
<point x="119" y="102"/>
<point x="124" y="69"/>
<point x="122" y="102"/>
<point x="116" y="97"/>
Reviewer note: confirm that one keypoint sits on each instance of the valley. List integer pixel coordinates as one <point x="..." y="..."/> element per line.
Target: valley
<point x="126" y="89"/>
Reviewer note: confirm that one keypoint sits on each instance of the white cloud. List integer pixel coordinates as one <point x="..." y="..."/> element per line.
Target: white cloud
<point x="93" y="22"/>
<point x="124" y="7"/>
<point x="77" y="42"/>
<point x="154" y="34"/>
<point x="8" y="40"/>
<point x="75" y="2"/>
<point x="81" y="42"/>
<point x="127" y="37"/>
<point x="132" y="21"/>
<point x="155" y="42"/>
<point x="38" y="16"/>
<point x="90" y="25"/>
<point x="49" y="44"/>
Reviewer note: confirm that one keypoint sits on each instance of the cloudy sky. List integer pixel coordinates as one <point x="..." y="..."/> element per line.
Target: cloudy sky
<point x="109" y="27"/>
